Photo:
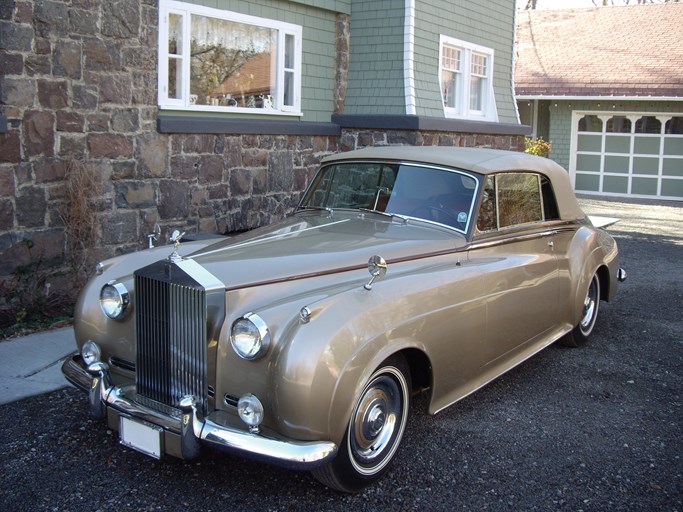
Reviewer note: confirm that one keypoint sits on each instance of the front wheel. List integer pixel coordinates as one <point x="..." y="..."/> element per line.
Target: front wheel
<point x="374" y="432"/>
<point x="579" y="335"/>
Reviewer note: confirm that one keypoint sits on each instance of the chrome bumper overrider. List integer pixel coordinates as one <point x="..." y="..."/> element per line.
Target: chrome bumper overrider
<point x="194" y="430"/>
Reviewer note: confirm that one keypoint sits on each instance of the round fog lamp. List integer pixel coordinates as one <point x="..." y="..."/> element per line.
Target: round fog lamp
<point x="250" y="410"/>
<point x="249" y="336"/>
<point x="91" y="353"/>
<point x="114" y="299"/>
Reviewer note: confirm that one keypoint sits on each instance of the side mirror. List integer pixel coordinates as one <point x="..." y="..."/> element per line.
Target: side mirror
<point x="153" y="236"/>
<point x="377" y="267"/>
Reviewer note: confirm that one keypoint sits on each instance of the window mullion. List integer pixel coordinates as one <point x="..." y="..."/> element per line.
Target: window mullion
<point x="296" y="71"/>
<point x="464" y="101"/>
<point x="186" y="58"/>
<point x="280" y="80"/>
<point x="162" y="78"/>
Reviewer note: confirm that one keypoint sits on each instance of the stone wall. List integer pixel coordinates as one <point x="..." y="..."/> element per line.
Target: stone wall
<point x="78" y="84"/>
<point x="356" y="139"/>
<point x="78" y="87"/>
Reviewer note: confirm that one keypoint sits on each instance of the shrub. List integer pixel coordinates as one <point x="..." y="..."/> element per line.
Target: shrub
<point x="538" y="147"/>
<point x="42" y="291"/>
<point x="79" y="216"/>
<point x="36" y="295"/>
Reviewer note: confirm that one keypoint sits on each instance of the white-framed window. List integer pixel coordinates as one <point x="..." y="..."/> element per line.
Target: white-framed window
<point x="466" y="78"/>
<point x="221" y="61"/>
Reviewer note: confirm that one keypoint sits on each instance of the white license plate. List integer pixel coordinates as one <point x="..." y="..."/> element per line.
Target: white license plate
<point x="141" y="436"/>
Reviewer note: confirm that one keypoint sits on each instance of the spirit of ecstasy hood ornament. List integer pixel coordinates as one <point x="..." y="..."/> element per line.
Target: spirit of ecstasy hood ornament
<point x="175" y="238"/>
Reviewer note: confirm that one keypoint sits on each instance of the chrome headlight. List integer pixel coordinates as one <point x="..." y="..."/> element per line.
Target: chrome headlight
<point x="250" y="337"/>
<point x="114" y="300"/>
<point x="91" y="353"/>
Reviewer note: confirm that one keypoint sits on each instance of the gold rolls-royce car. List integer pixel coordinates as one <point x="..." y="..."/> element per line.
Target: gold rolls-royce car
<point x="403" y="269"/>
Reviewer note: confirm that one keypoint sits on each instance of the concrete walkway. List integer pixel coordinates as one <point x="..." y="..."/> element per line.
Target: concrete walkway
<point x="31" y="365"/>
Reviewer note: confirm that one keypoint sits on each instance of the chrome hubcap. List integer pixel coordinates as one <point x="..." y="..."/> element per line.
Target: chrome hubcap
<point x="373" y="425"/>
<point x="590" y="305"/>
<point x="378" y="421"/>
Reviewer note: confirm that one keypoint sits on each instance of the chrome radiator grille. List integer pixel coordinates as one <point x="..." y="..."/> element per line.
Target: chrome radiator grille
<point x="171" y="325"/>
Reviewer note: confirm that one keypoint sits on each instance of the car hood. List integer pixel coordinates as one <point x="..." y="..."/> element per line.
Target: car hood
<point x="311" y="243"/>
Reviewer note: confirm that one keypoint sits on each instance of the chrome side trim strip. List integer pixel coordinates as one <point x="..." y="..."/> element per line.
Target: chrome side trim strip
<point x="515" y="237"/>
<point x="193" y="428"/>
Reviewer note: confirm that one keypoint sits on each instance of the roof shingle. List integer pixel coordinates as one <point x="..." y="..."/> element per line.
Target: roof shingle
<point x="605" y="51"/>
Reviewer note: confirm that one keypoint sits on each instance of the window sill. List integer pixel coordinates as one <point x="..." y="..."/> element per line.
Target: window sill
<point x="480" y="117"/>
<point x="242" y="126"/>
<point x="216" y="109"/>
<point x="423" y="123"/>
<point x="169" y="123"/>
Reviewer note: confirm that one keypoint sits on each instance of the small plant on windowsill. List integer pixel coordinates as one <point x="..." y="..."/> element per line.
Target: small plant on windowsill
<point x="538" y="147"/>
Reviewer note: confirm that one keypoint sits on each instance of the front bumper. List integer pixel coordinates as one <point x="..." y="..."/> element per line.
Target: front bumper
<point x="189" y="427"/>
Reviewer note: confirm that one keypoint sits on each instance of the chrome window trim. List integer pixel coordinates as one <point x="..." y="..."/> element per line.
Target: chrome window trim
<point x="464" y="172"/>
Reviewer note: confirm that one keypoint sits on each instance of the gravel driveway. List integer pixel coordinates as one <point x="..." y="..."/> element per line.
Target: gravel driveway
<point x="593" y="429"/>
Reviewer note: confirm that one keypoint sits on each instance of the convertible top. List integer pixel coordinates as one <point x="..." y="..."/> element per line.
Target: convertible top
<point x="479" y="160"/>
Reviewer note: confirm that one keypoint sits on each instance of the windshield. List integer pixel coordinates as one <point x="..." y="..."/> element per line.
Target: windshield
<point x="435" y="194"/>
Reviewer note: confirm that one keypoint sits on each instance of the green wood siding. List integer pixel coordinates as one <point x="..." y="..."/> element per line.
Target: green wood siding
<point x="376" y="78"/>
<point x="343" y="6"/>
<point x="377" y="68"/>
<point x="487" y="24"/>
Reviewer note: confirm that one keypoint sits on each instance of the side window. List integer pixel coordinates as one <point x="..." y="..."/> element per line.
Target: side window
<point x="511" y="199"/>
<point x="519" y="199"/>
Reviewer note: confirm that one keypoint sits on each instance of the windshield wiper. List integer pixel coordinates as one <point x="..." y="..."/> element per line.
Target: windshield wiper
<point x="385" y="214"/>
<point x="315" y="208"/>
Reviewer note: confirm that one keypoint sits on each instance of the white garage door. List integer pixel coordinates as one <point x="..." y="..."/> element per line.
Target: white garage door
<point x="628" y="154"/>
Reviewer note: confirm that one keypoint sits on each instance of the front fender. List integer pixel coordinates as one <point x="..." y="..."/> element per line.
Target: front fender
<point x="323" y="363"/>
<point x="317" y="367"/>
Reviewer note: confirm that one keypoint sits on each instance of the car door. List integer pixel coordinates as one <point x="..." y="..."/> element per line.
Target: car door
<point x="514" y="252"/>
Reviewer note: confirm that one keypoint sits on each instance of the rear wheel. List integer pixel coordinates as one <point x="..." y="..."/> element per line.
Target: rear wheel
<point x="374" y="431"/>
<point x="591" y="303"/>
